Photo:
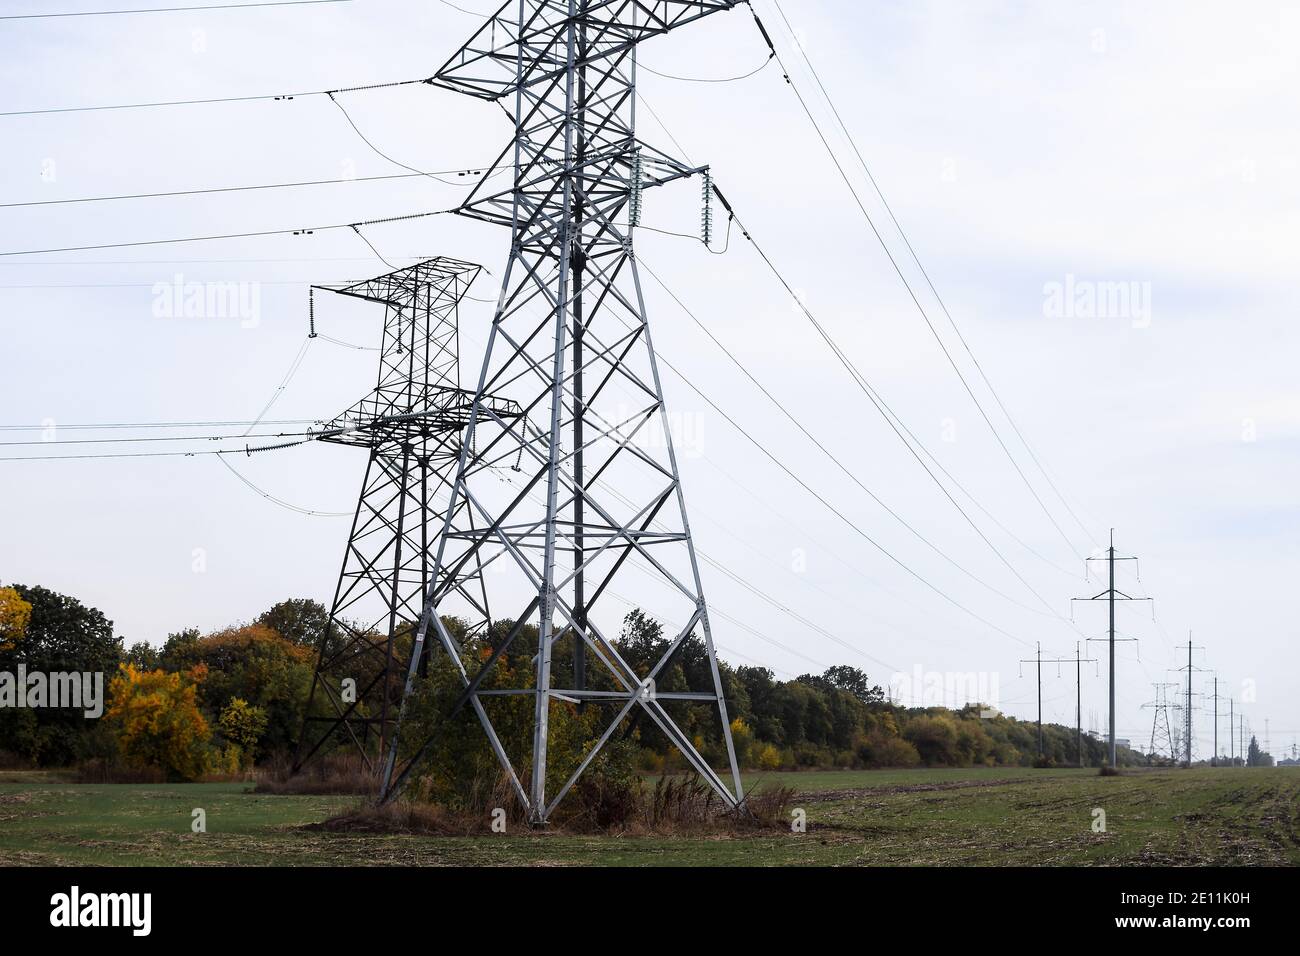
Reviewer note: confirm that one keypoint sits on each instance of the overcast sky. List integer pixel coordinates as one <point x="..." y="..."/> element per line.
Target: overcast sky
<point x="1034" y="153"/>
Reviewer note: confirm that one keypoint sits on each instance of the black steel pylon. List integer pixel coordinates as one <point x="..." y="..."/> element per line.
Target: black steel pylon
<point x="411" y="423"/>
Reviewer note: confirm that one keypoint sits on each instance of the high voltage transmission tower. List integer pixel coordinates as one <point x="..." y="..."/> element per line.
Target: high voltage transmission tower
<point x="1111" y="595"/>
<point x="598" y="494"/>
<point x="1162" y="729"/>
<point x="411" y="423"/>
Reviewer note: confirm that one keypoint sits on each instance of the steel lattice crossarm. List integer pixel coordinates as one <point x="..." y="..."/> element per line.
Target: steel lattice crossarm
<point x="418" y="366"/>
<point x="597" y="503"/>
<point x="524" y="43"/>
<point x="411" y="422"/>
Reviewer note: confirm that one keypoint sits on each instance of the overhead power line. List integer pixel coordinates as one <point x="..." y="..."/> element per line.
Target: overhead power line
<point x="152" y="438"/>
<point x="930" y="283"/>
<point x="280" y="501"/>
<point x="841" y="515"/>
<point x="830" y="507"/>
<point x="238" y="189"/>
<point x="707" y="79"/>
<point x="204" y="7"/>
<point x="248" y="450"/>
<point x="824" y="450"/>
<point x="777" y="461"/>
<point x="891" y="418"/>
<point x="221" y="424"/>
<point x="211" y="99"/>
<point x="911" y="292"/>
<point x="228" y="235"/>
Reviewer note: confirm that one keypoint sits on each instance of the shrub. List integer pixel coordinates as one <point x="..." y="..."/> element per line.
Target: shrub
<point x="881" y="750"/>
<point x="242" y="725"/>
<point x="159" y="723"/>
<point x="767" y="757"/>
<point x="935" y="739"/>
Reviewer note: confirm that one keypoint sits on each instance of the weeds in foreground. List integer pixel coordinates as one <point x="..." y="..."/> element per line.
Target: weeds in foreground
<point x="675" y="805"/>
<point x="330" y="774"/>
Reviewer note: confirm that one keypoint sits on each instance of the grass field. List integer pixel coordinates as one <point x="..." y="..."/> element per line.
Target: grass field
<point x="915" y="817"/>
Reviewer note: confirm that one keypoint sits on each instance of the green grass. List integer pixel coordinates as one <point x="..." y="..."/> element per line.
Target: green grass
<point x="914" y="817"/>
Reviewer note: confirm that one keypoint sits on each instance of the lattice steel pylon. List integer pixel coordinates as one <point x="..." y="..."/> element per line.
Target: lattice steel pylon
<point x="599" y="493"/>
<point x="411" y="423"/>
<point x="1164" y="741"/>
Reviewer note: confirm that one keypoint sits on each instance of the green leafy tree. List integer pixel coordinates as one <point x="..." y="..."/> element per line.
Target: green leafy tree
<point x="243" y="725"/>
<point x="299" y="621"/>
<point x="255" y="664"/>
<point x="60" y="635"/>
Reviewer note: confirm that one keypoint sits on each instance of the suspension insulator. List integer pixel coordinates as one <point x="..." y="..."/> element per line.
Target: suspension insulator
<point x="706" y="212"/>
<point x="634" y="196"/>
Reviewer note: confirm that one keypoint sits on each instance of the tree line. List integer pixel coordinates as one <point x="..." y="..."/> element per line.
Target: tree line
<point x="234" y="698"/>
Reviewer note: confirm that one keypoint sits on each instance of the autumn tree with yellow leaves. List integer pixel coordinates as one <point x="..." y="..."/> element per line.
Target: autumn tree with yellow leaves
<point x="158" y="721"/>
<point x="15" y="615"/>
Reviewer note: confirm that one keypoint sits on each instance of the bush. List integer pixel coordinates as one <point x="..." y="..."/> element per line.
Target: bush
<point x="767" y="757"/>
<point x="159" y="723"/>
<point x="882" y="750"/>
<point x="242" y="725"/>
<point x="935" y="739"/>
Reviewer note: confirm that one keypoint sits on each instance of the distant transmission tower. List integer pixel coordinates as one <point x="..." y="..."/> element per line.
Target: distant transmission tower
<point x="598" y="500"/>
<point x="1163" y="740"/>
<point x="411" y="423"/>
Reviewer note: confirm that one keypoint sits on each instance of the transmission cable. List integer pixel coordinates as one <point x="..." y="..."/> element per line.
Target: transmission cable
<point x="707" y="79"/>
<point x="212" y="99"/>
<point x="938" y="298"/>
<point x="375" y="149"/>
<point x="280" y="501"/>
<point x="890" y="417"/>
<point x="238" y="189"/>
<point x="830" y="507"/>
<point x="145" y="440"/>
<point x="839" y="514"/>
<point x="231" y="235"/>
<point x="100" y="425"/>
<point x="205" y="7"/>
<point x="823" y="449"/>
<point x="911" y="292"/>
<point x="851" y="524"/>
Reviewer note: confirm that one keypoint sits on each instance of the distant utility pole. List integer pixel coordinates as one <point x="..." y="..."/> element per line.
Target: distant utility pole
<point x="1214" y="760"/>
<point x="1268" y="746"/>
<point x="1232" y="741"/>
<point x="1111" y="595"/>
<point x="1038" y="660"/>
<point x="1078" y="701"/>
<point x="1187" y="732"/>
<point x="1078" y="660"/>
